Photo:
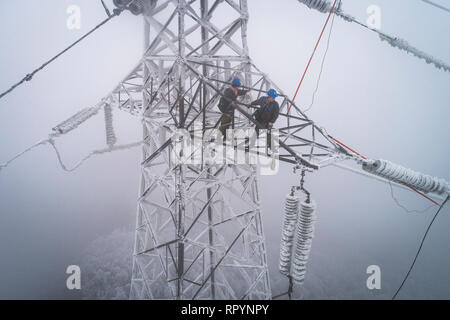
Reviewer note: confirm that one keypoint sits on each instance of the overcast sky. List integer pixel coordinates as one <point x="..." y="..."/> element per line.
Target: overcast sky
<point x="381" y="101"/>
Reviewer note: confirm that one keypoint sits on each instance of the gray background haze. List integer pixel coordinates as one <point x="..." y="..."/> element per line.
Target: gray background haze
<point x="381" y="101"/>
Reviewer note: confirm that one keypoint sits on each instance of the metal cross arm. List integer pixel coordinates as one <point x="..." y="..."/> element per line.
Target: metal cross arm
<point x="299" y="158"/>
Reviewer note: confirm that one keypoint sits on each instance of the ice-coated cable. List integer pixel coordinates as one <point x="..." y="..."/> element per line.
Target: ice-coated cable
<point x="320" y="5"/>
<point x="325" y="6"/>
<point x="77" y="119"/>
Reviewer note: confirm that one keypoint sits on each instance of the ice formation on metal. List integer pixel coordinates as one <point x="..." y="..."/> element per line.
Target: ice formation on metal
<point x="325" y="6"/>
<point x="110" y="135"/>
<point x="397" y="173"/>
<point x="291" y="208"/>
<point x="304" y="236"/>
<point x="320" y="5"/>
<point x="74" y="121"/>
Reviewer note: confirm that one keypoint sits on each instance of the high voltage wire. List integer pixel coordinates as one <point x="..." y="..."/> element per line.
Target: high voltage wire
<point x="401" y="44"/>
<point x="29" y="77"/>
<point x="436" y="5"/>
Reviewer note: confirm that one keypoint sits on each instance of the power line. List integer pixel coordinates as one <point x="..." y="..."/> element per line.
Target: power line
<point x="28" y="77"/>
<point x="420" y="248"/>
<point x="436" y="5"/>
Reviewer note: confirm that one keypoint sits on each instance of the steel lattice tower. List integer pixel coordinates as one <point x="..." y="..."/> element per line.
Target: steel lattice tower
<point x="199" y="233"/>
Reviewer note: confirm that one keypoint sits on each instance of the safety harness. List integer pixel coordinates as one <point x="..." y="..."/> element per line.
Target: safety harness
<point x="224" y="104"/>
<point x="264" y="113"/>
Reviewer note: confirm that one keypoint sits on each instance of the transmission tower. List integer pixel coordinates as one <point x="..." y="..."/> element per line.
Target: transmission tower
<point x="199" y="232"/>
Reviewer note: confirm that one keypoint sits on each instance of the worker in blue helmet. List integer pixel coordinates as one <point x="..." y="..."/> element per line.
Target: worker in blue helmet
<point x="227" y="102"/>
<point x="267" y="113"/>
<point x="268" y="110"/>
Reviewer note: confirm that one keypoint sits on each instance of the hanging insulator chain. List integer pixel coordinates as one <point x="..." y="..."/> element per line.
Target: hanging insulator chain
<point x="304" y="233"/>
<point x="397" y="173"/>
<point x="320" y="5"/>
<point x="76" y="120"/>
<point x="110" y="135"/>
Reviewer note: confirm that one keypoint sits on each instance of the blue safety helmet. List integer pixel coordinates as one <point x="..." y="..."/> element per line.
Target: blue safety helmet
<point x="272" y="93"/>
<point x="236" y="82"/>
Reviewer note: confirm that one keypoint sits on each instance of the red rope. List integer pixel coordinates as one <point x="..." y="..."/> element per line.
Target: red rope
<point x="348" y="148"/>
<point x="312" y="55"/>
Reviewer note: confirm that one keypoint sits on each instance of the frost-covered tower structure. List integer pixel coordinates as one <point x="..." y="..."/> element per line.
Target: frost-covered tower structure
<point x="198" y="233"/>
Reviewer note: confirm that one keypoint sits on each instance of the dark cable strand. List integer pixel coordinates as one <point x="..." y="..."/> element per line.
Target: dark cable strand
<point x="30" y="76"/>
<point x="420" y="248"/>
<point x="106" y="8"/>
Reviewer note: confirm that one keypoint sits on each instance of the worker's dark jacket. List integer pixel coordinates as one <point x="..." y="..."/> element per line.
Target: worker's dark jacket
<point x="268" y="112"/>
<point x="230" y="96"/>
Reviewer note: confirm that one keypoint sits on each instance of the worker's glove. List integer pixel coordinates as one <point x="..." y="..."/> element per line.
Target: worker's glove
<point x="248" y="96"/>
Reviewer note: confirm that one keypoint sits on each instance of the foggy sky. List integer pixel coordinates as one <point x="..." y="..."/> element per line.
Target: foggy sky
<point x="381" y="101"/>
